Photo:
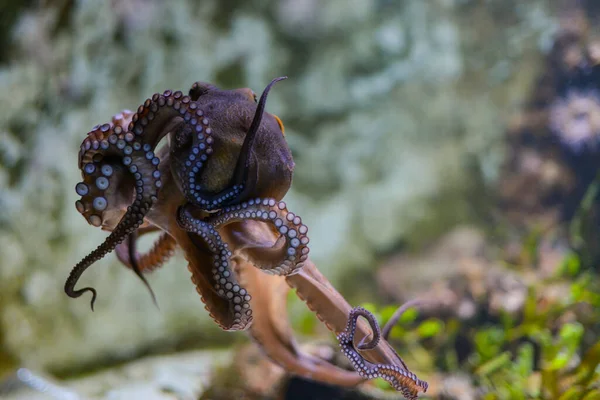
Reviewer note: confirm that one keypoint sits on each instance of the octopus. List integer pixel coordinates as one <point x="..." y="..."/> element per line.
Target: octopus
<point x="208" y="172"/>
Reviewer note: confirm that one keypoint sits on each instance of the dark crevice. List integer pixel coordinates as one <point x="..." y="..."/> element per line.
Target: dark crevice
<point x="10" y="12"/>
<point x="300" y="389"/>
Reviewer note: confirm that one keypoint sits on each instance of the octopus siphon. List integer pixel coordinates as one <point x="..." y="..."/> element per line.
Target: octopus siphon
<point x="214" y="188"/>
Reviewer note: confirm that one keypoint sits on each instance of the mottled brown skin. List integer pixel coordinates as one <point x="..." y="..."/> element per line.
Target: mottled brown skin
<point x="231" y="113"/>
<point x="215" y="191"/>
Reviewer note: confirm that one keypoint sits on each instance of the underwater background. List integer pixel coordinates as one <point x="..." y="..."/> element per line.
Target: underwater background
<point x="445" y="150"/>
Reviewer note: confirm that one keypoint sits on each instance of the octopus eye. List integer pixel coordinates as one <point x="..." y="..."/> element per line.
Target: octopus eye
<point x="200" y="88"/>
<point x="255" y="98"/>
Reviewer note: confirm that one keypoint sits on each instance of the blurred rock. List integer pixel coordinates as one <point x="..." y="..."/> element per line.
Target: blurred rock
<point x="387" y="105"/>
<point x="456" y="387"/>
<point x="460" y="275"/>
<point x="554" y="141"/>
<point x="454" y="277"/>
<point x="438" y="274"/>
<point x="253" y="376"/>
<point x="182" y="376"/>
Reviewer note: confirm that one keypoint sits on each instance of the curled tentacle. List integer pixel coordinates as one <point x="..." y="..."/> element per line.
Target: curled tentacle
<point x="364" y="345"/>
<point x="291" y="248"/>
<point x="332" y="309"/>
<point x="385" y="332"/>
<point x="92" y="147"/>
<point x="270" y="328"/>
<point x="195" y="250"/>
<point x="224" y="280"/>
<point x="135" y="149"/>
<point x="274" y="335"/>
<point x="106" y="189"/>
<point x="401" y="379"/>
<point x="162" y="113"/>
<point x="143" y="167"/>
<point x="190" y="139"/>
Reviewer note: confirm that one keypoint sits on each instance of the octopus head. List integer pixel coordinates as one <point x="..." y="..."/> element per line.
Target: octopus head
<point x="232" y="151"/>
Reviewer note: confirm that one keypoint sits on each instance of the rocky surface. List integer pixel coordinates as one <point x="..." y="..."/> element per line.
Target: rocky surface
<point x="182" y="377"/>
<point x="461" y="275"/>
<point x="388" y="107"/>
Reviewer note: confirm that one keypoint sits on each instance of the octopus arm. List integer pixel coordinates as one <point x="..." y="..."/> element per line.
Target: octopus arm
<point x="162" y="250"/>
<point x="121" y="154"/>
<point x="281" y="256"/>
<point x="272" y="332"/>
<point x="373" y="357"/>
<point x="114" y="145"/>
<point x="271" y="327"/>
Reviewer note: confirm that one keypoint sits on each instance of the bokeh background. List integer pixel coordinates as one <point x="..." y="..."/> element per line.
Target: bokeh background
<point x="443" y="149"/>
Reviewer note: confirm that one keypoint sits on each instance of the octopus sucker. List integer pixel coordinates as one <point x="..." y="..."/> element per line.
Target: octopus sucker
<point x="223" y="277"/>
<point x="200" y="263"/>
<point x="215" y="190"/>
<point x="100" y="192"/>
<point x="156" y="118"/>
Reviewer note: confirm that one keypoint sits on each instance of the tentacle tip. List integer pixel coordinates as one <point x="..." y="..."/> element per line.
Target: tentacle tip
<point x="94" y="294"/>
<point x="263" y="97"/>
<point x="154" y="299"/>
